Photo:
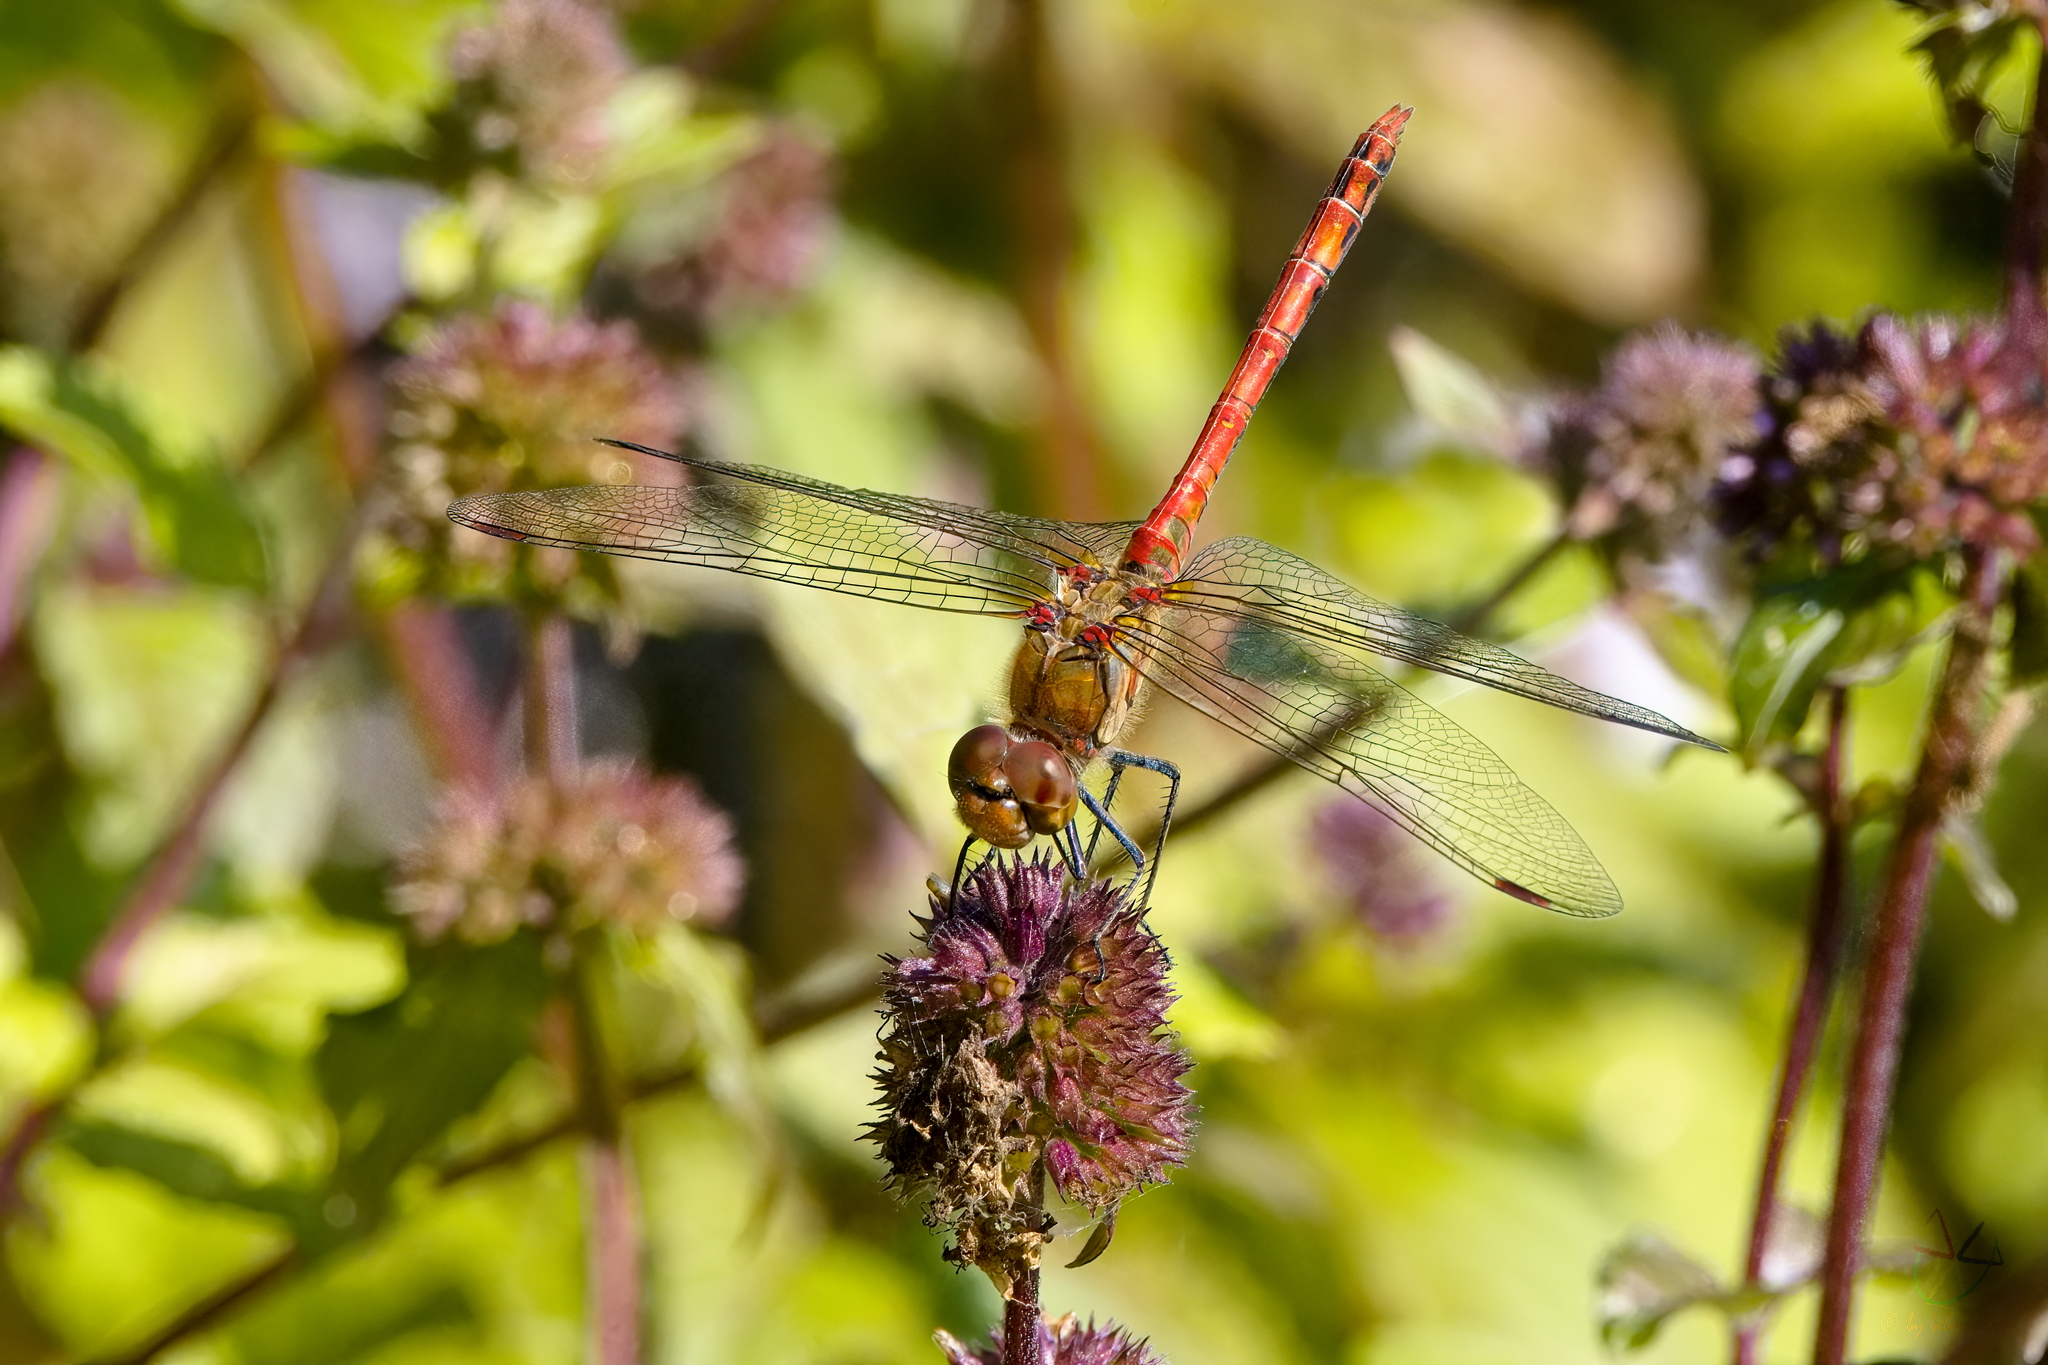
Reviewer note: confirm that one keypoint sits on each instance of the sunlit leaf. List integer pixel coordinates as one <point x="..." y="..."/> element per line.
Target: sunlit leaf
<point x="1970" y="851"/>
<point x="186" y="1168"/>
<point x="1642" y="1283"/>
<point x="1451" y="393"/>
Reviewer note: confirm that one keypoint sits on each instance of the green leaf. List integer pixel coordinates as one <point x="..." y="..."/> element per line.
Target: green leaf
<point x="195" y="507"/>
<point x="1855" y="625"/>
<point x="1964" y="841"/>
<point x="188" y="1169"/>
<point x="397" y="1076"/>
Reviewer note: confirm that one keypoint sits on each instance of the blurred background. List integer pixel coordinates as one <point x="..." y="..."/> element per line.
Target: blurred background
<point x="996" y="251"/>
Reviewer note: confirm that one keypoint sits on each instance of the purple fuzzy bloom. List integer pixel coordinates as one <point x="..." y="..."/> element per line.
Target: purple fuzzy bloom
<point x="1033" y="1033"/>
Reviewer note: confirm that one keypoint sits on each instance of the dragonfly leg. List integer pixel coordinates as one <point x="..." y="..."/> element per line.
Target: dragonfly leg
<point x="1068" y="842"/>
<point x="1120" y="760"/>
<point x="959" y="870"/>
<point x="1116" y="777"/>
<point x="1102" y="819"/>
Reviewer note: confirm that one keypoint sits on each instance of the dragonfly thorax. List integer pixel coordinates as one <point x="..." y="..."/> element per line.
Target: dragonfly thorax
<point x="1074" y="678"/>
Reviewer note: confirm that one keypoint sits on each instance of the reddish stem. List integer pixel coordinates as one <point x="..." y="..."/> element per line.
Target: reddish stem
<point x="1888" y="973"/>
<point x="2027" y="218"/>
<point x="1825" y="935"/>
<point x="169" y="874"/>
<point x="1021" y="1307"/>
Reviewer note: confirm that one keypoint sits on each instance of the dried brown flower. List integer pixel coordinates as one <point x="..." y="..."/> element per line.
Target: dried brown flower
<point x="771" y="220"/>
<point x="609" y="844"/>
<point x="1061" y="1341"/>
<point x="1034" y="1032"/>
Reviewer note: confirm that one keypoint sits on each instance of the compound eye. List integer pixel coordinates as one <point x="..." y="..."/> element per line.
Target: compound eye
<point x="977" y="762"/>
<point x="1044" y="785"/>
<point x="995" y="820"/>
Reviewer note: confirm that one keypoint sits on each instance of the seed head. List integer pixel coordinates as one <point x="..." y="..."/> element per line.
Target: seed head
<point x="513" y="400"/>
<point x="1635" y="457"/>
<point x="609" y="844"/>
<point x="1034" y="1031"/>
<point x="1906" y="442"/>
<point x="1061" y="1341"/>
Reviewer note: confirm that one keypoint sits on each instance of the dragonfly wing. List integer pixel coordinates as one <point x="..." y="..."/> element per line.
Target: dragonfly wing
<point x="1350" y="723"/>
<point x="908" y="550"/>
<point x="1054" y="543"/>
<point x="1250" y="581"/>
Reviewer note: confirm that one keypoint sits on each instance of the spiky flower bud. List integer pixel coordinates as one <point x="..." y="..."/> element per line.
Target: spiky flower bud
<point x="532" y="91"/>
<point x="1061" y="1341"/>
<point x="1634" y="459"/>
<point x="1372" y="865"/>
<point x="514" y="400"/>
<point x="1910" y="440"/>
<point x="1033" y="1035"/>
<point x="608" y="844"/>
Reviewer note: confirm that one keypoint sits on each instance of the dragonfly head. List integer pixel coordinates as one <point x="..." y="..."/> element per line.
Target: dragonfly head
<point x="1010" y="789"/>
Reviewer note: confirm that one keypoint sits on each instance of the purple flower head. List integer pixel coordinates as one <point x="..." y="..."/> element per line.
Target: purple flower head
<point x="1061" y="1341"/>
<point x="1372" y="864"/>
<point x="512" y="400"/>
<point x="608" y="844"/>
<point x="1635" y="457"/>
<point x="1033" y="1032"/>
<point x="533" y="87"/>
<point x="1905" y="442"/>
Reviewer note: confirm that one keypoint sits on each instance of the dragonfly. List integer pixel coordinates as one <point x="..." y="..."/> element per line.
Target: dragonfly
<point x="1259" y="639"/>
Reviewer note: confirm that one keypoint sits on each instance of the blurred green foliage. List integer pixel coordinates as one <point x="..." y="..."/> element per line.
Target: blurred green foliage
<point x="1411" y="1153"/>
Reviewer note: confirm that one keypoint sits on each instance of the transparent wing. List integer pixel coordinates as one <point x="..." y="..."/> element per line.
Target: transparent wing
<point x="1259" y="584"/>
<point x="1351" y="724"/>
<point x="770" y="524"/>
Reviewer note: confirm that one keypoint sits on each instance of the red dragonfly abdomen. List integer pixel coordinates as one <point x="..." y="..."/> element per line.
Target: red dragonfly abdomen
<point x="1158" y="547"/>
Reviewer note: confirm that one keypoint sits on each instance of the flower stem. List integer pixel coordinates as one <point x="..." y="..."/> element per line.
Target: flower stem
<point x="1021" y="1309"/>
<point x="1825" y="934"/>
<point x="611" y="1222"/>
<point x="1888" y="972"/>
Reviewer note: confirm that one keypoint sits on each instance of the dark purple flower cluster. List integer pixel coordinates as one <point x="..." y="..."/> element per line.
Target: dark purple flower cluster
<point x="1635" y="458"/>
<point x="1033" y="1037"/>
<point x="1373" y="866"/>
<point x="1061" y="1341"/>
<point x="608" y="844"/>
<point x="1904" y="442"/>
